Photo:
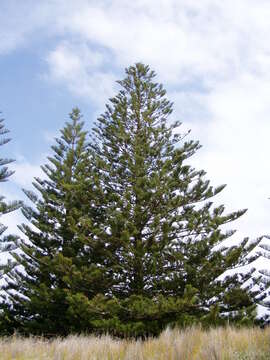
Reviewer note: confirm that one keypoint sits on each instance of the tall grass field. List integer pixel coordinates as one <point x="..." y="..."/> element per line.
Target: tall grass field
<point x="194" y="343"/>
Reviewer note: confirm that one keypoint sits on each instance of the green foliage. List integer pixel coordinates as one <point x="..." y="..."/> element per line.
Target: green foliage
<point x="125" y="238"/>
<point x="136" y="315"/>
<point x="162" y="230"/>
<point x="7" y="243"/>
<point x="59" y="255"/>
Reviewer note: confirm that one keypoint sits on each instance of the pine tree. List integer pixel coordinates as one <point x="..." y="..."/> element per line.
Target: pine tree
<point x="161" y="231"/>
<point x="263" y="281"/>
<point x="57" y="257"/>
<point x="124" y="237"/>
<point x="8" y="242"/>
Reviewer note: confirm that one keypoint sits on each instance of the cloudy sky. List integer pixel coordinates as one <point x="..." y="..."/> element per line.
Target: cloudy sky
<point x="212" y="56"/>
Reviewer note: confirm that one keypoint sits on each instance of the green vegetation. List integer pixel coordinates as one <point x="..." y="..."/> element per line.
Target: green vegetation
<point x="57" y="244"/>
<point x="8" y="242"/>
<point x="123" y="235"/>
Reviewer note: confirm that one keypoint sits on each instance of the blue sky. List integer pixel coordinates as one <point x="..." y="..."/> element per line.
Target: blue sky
<point x="212" y="56"/>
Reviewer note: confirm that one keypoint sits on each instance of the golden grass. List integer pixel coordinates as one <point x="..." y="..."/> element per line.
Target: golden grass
<point x="194" y="343"/>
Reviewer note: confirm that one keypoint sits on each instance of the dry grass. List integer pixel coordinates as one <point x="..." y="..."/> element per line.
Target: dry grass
<point x="193" y="343"/>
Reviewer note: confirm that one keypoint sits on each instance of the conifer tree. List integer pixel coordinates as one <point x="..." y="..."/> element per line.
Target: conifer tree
<point x="57" y="257"/>
<point x="264" y="281"/>
<point x="124" y="237"/>
<point x="161" y="229"/>
<point x="8" y="242"/>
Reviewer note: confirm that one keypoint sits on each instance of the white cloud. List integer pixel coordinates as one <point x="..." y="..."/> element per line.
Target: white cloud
<point x="12" y="220"/>
<point x="82" y="70"/>
<point x="236" y="147"/>
<point x="179" y="38"/>
<point x="12" y="190"/>
<point x="25" y="173"/>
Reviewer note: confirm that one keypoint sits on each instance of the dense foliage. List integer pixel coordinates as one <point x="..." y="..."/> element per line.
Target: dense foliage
<point x="124" y="237"/>
<point x="57" y="242"/>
